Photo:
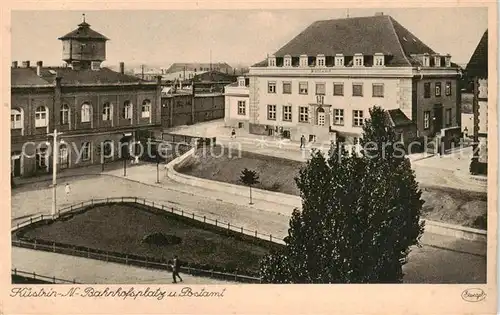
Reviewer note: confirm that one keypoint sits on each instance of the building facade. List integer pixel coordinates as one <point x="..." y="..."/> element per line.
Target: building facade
<point x="324" y="81"/>
<point x="477" y="70"/>
<point x="237" y="99"/>
<point x="94" y="107"/>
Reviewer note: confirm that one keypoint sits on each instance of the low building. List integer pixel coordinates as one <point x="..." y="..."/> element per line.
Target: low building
<point x="323" y="82"/>
<point x="236" y="104"/>
<point x="477" y="70"/>
<point x="90" y="104"/>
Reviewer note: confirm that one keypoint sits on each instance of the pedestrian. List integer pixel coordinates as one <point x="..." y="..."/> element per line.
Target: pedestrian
<point x="175" y="269"/>
<point x="233" y="134"/>
<point x="302" y="142"/>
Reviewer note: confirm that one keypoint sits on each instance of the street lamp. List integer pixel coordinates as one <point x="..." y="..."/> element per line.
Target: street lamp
<point x="55" y="150"/>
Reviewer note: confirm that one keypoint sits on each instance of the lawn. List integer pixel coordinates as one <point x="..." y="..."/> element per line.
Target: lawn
<point x="121" y="228"/>
<point x="461" y="207"/>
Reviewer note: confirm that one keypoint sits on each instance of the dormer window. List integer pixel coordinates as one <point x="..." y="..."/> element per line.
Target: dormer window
<point x="447" y="61"/>
<point x="304" y="61"/>
<point x="426" y="60"/>
<point x="271" y="61"/>
<point x="339" y="60"/>
<point x="437" y="61"/>
<point x="320" y="61"/>
<point x="287" y="61"/>
<point x="358" y="60"/>
<point x="241" y="81"/>
<point x="378" y="60"/>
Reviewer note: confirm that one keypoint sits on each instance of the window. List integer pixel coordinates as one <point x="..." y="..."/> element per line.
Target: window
<point x="41" y="158"/>
<point x="41" y="116"/>
<point x="447" y="88"/>
<point x="303" y="114"/>
<point x="16" y="119"/>
<point x="447" y="116"/>
<point x="271" y="62"/>
<point x="64" y="114"/>
<point x="86" y="151"/>
<point x="320" y="61"/>
<point x="378" y="60"/>
<point x="438" y="89"/>
<point x="86" y="112"/>
<point x="357" y="89"/>
<point x="287" y="87"/>
<point x="271" y="87"/>
<point x="338" y="117"/>
<point x="127" y="110"/>
<point x="320" y="89"/>
<point x="378" y="90"/>
<point x="358" y="60"/>
<point x="303" y="88"/>
<point x="304" y="62"/>
<point x="339" y="61"/>
<point x="287" y="113"/>
<point x="106" y="111"/>
<point x="338" y="89"/>
<point x="242" y="108"/>
<point x="357" y="118"/>
<point x="287" y="61"/>
<point x="437" y="61"/>
<point x="427" y="90"/>
<point x="146" y="109"/>
<point x="271" y="112"/>
<point x="427" y="120"/>
<point x="426" y="61"/>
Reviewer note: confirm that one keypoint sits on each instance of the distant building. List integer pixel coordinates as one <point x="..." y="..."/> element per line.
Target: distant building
<point x="323" y="82"/>
<point x="91" y="105"/>
<point x="477" y="70"/>
<point x="187" y="71"/>
<point x="237" y="98"/>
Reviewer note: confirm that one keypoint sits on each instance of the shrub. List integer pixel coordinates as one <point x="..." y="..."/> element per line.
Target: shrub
<point x="161" y="239"/>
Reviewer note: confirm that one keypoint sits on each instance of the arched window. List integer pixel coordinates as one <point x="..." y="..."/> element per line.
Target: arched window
<point x="127" y="110"/>
<point x="321" y="116"/>
<point x="16" y="119"/>
<point x="107" y="111"/>
<point x="41" y="117"/>
<point x="64" y="114"/>
<point x="146" y="109"/>
<point x="86" y="112"/>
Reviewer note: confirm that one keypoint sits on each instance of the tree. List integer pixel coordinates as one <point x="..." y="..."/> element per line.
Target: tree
<point x="249" y="178"/>
<point x="360" y="215"/>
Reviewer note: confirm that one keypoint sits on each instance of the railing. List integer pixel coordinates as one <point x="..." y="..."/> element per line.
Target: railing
<point x="127" y="260"/>
<point x="214" y="222"/>
<point x="35" y="276"/>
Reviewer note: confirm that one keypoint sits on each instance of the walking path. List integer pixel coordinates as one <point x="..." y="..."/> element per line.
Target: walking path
<point x="91" y="271"/>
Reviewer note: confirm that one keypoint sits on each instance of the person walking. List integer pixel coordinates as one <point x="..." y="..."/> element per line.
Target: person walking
<point x="233" y="133"/>
<point x="175" y="269"/>
<point x="302" y="142"/>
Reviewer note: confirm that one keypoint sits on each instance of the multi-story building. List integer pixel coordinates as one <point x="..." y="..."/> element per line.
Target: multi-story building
<point x="187" y="71"/>
<point x="90" y="104"/>
<point x="324" y="81"/>
<point x="237" y="98"/>
<point x="477" y="70"/>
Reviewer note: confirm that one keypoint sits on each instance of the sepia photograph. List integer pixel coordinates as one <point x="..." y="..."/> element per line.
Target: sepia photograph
<point x="202" y="150"/>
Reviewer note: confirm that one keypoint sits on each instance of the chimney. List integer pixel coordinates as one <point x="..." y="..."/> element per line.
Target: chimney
<point x="379" y="13"/>
<point x="39" y="65"/>
<point x="14" y="64"/>
<point x="122" y="67"/>
<point x="26" y="64"/>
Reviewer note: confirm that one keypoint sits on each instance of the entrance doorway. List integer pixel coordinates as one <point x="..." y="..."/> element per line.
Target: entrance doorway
<point x="438" y="118"/>
<point x="321" y="117"/>
<point x="63" y="156"/>
<point x="16" y="163"/>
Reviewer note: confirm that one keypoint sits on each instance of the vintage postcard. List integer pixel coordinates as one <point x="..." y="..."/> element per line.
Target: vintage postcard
<point x="249" y="158"/>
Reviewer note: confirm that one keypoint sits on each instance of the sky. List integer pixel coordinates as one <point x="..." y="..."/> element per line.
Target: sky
<point x="160" y="38"/>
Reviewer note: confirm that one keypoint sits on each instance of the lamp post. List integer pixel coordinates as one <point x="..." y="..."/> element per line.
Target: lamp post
<point x="55" y="150"/>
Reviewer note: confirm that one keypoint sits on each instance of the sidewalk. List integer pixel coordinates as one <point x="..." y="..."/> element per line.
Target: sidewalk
<point x="91" y="271"/>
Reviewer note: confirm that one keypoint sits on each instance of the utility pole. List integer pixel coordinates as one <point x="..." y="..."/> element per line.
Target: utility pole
<point x="55" y="152"/>
<point x="142" y="72"/>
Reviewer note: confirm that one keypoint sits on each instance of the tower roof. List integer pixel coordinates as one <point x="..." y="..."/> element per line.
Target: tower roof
<point x="84" y="32"/>
<point x="478" y="64"/>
